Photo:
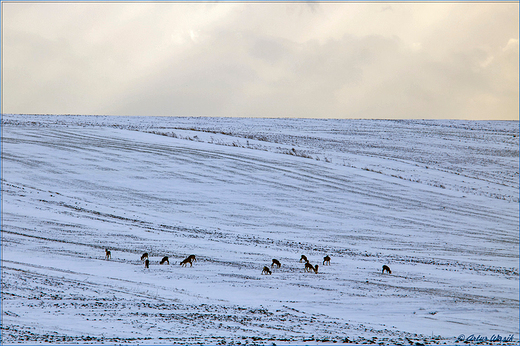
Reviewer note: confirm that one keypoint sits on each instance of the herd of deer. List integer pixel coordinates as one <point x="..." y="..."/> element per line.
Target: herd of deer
<point x="191" y="258"/>
<point x="308" y="266"/>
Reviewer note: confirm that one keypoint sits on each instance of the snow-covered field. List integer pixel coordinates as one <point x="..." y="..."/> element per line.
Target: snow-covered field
<point x="437" y="201"/>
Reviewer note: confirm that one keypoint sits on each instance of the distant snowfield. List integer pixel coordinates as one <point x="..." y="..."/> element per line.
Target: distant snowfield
<point x="437" y="201"/>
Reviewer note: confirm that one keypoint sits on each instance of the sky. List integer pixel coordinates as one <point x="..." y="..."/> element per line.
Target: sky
<point x="379" y="60"/>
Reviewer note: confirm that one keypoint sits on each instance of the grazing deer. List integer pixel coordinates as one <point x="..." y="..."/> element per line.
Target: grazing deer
<point x="276" y="263"/>
<point x="304" y="258"/>
<point x="266" y="271"/>
<point x="107" y="254"/>
<point x="309" y="267"/>
<point x="326" y="260"/>
<point x="165" y="260"/>
<point x="186" y="261"/>
<point x="147" y="263"/>
<point x="144" y="256"/>
<point x="386" y="269"/>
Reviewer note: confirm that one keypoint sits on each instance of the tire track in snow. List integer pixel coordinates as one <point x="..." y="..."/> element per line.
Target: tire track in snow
<point x="312" y="178"/>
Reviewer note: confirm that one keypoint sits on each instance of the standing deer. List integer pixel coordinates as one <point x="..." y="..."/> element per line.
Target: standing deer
<point x="108" y="255"/>
<point x="266" y="271"/>
<point x="147" y="263"/>
<point x="165" y="260"/>
<point x="386" y="269"/>
<point x="144" y="256"/>
<point x="326" y="260"/>
<point x="276" y="263"/>
<point x="304" y="258"/>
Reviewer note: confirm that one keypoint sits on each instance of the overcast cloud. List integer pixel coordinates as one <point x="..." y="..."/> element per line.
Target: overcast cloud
<point x="335" y="60"/>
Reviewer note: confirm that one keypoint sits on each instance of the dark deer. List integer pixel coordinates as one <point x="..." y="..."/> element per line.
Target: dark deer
<point x="309" y="267"/>
<point x="276" y="263"/>
<point x="186" y="261"/>
<point x="266" y="271"/>
<point x="108" y="255"/>
<point x="144" y="256"/>
<point x="147" y="263"/>
<point x="304" y="258"/>
<point x="386" y="269"/>
<point x="165" y="260"/>
<point x="326" y="260"/>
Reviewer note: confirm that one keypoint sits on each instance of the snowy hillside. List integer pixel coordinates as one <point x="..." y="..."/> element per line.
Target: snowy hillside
<point x="436" y="201"/>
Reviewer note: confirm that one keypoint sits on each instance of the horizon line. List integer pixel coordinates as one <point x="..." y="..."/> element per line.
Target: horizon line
<point x="246" y="117"/>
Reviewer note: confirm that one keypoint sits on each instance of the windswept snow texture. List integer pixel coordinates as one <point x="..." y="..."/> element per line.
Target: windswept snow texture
<point x="437" y="201"/>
